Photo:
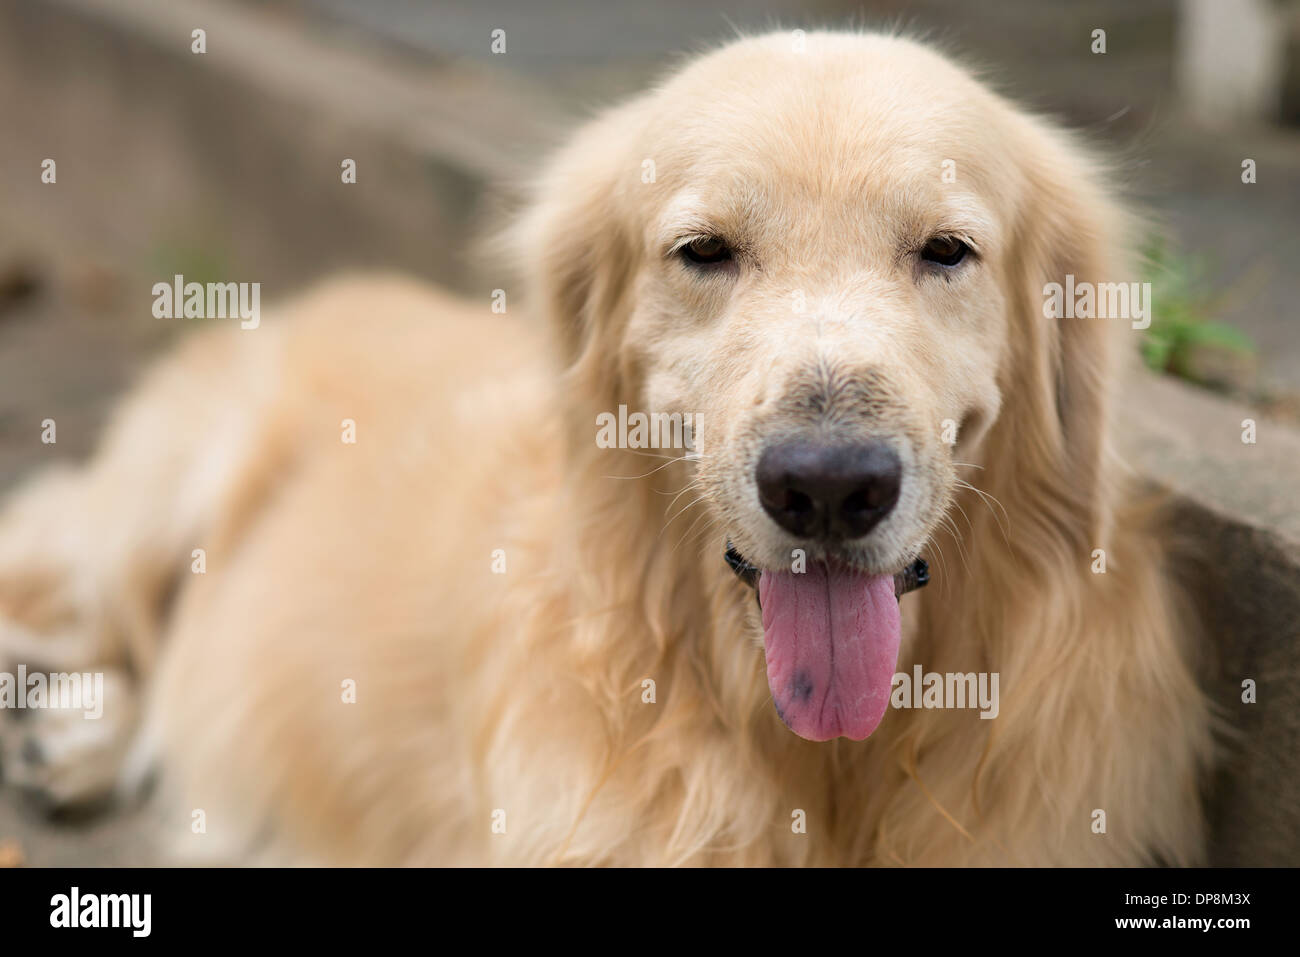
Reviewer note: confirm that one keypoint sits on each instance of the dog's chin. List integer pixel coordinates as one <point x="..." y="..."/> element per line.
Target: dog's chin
<point x="831" y="633"/>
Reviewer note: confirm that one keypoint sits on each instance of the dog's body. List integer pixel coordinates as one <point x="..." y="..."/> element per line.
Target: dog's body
<point x="473" y="635"/>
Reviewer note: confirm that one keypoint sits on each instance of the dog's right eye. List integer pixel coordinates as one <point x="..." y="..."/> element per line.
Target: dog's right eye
<point x="706" y="251"/>
<point x="945" y="251"/>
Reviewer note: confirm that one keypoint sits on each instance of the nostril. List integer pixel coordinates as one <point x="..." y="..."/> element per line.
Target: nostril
<point x="879" y="490"/>
<point x="842" y="491"/>
<point x="859" y="501"/>
<point x="798" y="502"/>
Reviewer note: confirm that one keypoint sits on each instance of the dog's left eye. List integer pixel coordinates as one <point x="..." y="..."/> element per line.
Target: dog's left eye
<point x="945" y="251"/>
<point x="706" y="251"/>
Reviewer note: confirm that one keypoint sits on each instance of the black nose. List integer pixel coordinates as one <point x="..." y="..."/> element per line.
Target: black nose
<point x="814" y="489"/>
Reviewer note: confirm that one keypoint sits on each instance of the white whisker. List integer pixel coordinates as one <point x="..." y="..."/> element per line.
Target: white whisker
<point x="990" y="501"/>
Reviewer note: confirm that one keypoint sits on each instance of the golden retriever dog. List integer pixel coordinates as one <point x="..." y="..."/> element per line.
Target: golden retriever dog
<point x="367" y="586"/>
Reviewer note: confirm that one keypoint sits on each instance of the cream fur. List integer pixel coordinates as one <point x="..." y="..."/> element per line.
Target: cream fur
<point x="523" y="691"/>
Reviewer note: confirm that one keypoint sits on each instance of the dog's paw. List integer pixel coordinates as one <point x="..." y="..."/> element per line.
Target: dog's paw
<point x="65" y="745"/>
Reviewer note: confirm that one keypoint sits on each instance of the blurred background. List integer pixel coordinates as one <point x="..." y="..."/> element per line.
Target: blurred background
<point x="224" y="165"/>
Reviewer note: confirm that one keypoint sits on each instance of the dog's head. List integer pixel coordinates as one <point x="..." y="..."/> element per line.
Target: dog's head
<point x="831" y="250"/>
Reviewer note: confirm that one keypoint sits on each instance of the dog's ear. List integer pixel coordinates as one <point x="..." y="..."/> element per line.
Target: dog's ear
<point x="1068" y="226"/>
<point x="576" y="251"/>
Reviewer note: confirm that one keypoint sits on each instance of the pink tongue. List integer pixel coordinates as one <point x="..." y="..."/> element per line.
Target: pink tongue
<point x="831" y="637"/>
